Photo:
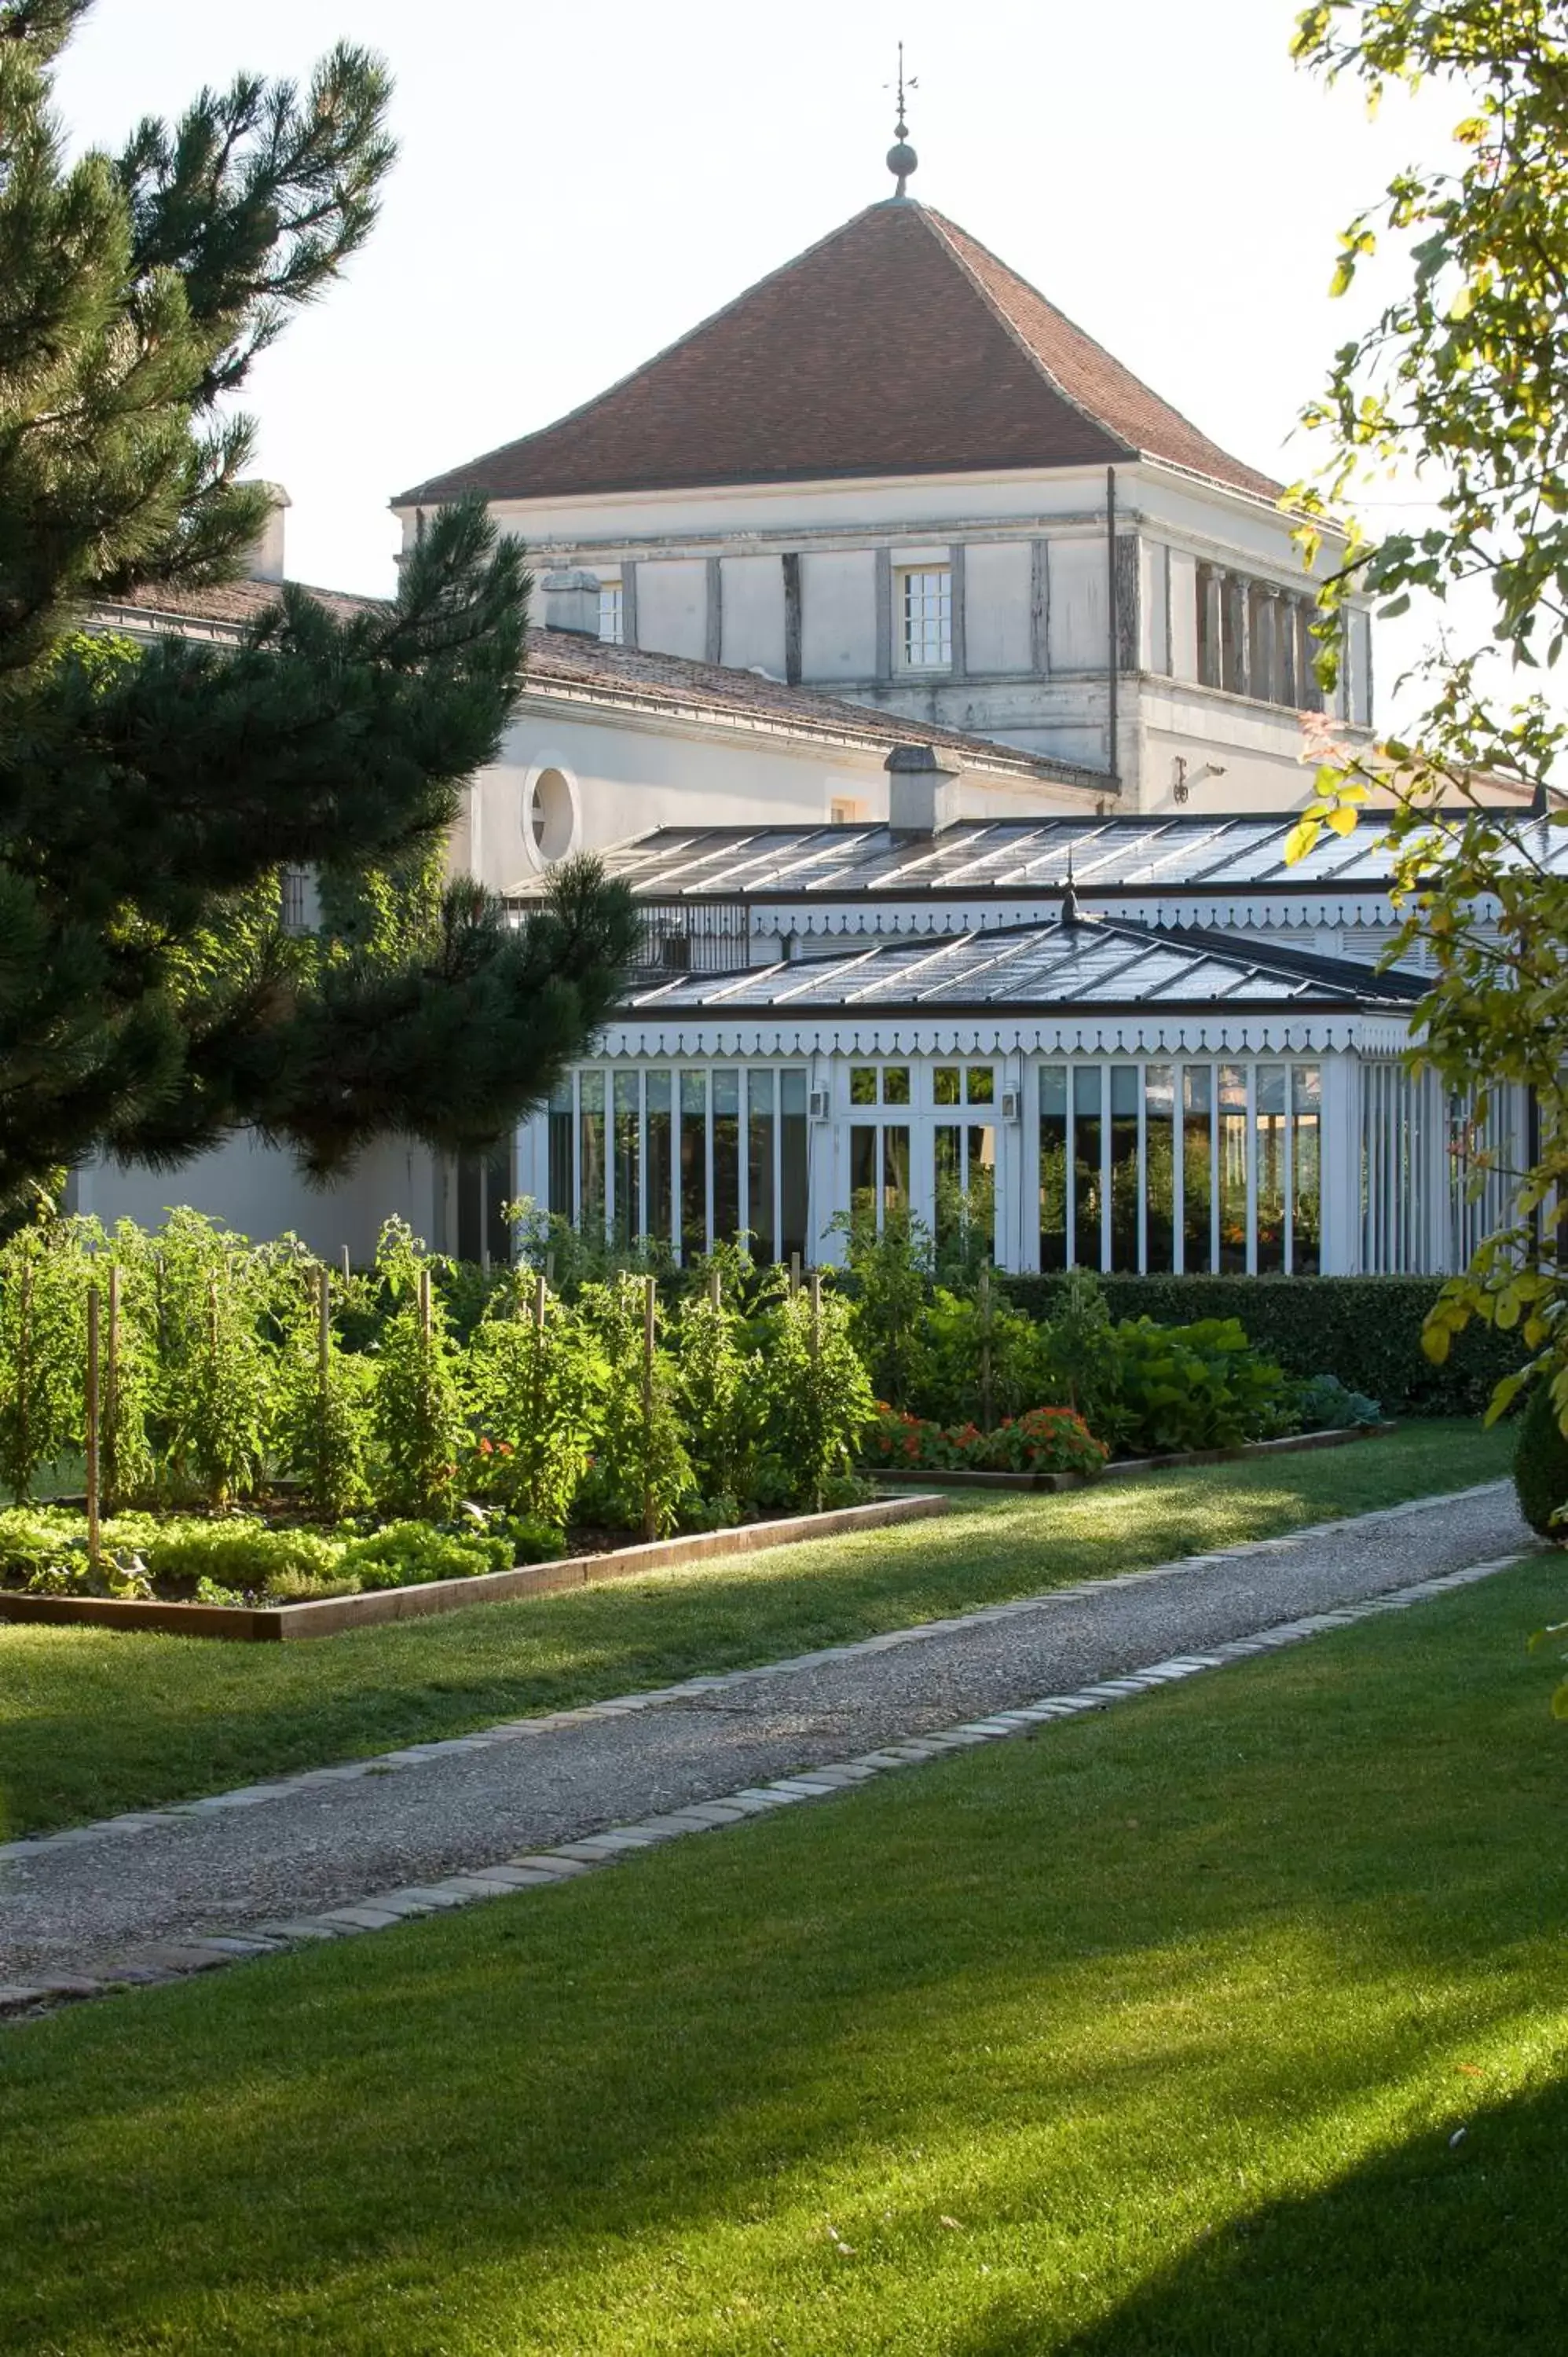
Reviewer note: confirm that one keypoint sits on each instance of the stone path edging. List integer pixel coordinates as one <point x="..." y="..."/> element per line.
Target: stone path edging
<point x="415" y="1755"/>
<point x="161" y="1962"/>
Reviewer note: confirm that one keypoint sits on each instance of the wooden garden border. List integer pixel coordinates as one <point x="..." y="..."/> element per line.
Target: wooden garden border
<point x="271" y="1624"/>
<point x="1129" y="1467"/>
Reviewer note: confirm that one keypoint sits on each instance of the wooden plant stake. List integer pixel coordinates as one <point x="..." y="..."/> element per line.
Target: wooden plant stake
<point x="347" y="1270"/>
<point x="816" y="1313"/>
<point x="649" y="1339"/>
<point x="715" y="1288"/>
<point x="110" y="1422"/>
<point x="986" y="1418"/>
<point x="323" y="1365"/>
<point x="794" y="1273"/>
<point x="93" y="1540"/>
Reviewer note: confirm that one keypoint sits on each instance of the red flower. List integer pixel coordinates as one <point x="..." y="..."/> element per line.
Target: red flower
<point x="484" y="1449"/>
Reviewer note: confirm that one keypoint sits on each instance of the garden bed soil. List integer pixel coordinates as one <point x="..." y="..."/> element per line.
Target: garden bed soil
<point x="1129" y="1467"/>
<point x="282" y="1623"/>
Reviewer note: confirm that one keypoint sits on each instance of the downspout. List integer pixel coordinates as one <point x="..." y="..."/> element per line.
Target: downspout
<point x="1113" y="651"/>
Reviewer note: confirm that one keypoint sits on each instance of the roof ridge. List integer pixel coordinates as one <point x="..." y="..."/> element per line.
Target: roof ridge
<point x="943" y="231"/>
<point x="952" y="230"/>
<point x="688" y="335"/>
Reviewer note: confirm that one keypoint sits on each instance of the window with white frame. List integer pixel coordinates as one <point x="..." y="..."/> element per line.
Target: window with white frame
<point x="879" y="1096"/>
<point x="612" y="613"/>
<point x="1194" y="1168"/>
<point x="925" y="617"/>
<point x="677" y="1159"/>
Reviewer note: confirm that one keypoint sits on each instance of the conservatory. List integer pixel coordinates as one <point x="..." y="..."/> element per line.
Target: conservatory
<point x="1076" y="1094"/>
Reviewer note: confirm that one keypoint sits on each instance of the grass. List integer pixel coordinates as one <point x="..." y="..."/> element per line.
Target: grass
<point x="1231" y="2024"/>
<point x="92" y="1721"/>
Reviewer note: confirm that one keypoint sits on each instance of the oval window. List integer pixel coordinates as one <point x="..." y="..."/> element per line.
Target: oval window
<point x="552" y="815"/>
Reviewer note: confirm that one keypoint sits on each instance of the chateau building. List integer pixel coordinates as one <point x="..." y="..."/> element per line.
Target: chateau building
<point x="895" y="472"/>
<point x="942" y="693"/>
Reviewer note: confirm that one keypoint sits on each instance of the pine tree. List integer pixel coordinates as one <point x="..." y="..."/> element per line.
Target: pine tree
<point x="151" y="1001"/>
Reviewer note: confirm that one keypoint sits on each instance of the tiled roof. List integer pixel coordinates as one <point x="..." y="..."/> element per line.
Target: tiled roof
<point x="896" y="346"/>
<point x="568" y="660"/>
<point x="574" y="665"/>
<point x="1087" y="964"/>
<point x="233" y="604"/>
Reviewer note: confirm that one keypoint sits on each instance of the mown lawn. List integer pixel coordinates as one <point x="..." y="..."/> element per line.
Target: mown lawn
<point x="93" y="1722"/>
<point x="1233" y="2023"/>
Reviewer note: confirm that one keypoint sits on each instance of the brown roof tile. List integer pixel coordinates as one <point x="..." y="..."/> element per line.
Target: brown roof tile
<point x="626" y="676"/>
<point x="897" y="345"/>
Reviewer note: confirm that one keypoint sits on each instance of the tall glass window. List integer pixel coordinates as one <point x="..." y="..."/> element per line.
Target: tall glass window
<point x="761" y="1090"/>
<point x="1126" y="1171"/>
<point x="561" y="1150"/>
<point x="1159" y="1166"/>
<point x="628" y="1158"/>
<point x="1232" y="1170"/>
<point x="591" y="1154"/>
<point x="965" y="1171"/>
<point x="794" y="1164"/>
<point x="660" y="1158"/>
<point x="1307" y="1171"/>
<point x="1197" y="1169"/>
<point x="694" y="1164"/>
<point x="727" y="1153"/>
<point x="1053" y="1166"/>
<point x="1088" y="1183"/>
<point x="1272" y="1147"/>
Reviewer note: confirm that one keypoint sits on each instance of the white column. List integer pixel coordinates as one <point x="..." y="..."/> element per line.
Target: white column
<point x="1340" y="1153"/>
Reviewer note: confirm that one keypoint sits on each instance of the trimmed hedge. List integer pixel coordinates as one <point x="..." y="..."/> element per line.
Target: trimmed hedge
<point x="1365" y="1329"/>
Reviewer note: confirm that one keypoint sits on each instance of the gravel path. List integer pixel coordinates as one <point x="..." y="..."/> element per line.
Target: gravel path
<point x="310" y="1842"/>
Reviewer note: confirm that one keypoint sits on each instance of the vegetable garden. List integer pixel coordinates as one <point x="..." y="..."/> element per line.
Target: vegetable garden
<point x="254" y="1425"/>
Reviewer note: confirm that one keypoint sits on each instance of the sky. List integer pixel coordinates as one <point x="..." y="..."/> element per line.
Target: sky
<point x="577" y="184"/>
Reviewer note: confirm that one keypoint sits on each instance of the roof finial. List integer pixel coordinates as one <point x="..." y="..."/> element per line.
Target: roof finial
<point x="1071" y="913"/>
<point x="902" y="159"/>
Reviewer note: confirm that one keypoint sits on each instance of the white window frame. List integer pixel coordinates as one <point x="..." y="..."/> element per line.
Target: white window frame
<point x="923" y="618"/>
<point x="612" y="609"/>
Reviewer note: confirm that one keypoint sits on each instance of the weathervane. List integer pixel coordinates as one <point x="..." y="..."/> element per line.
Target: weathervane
<point x="902" y="159"/>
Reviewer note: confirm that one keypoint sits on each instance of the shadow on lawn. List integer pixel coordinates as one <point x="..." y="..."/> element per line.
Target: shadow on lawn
<point x="1425" y="2250"/>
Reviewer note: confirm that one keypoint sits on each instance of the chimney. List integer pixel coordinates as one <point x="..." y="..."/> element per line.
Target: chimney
<point x="922" y="797"/>
<point x="266" y="560"/>
<point x="572" y="603"/>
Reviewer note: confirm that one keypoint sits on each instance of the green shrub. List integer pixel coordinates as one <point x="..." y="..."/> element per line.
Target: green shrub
<point x="1185" y="1387"/>
<point x="406" y="1555"/>
<point x="534" y="1386"/>
<point x="421" y="1431"/>
<point x="640" y="1472"/>
<point x="818" y="1399"/>
<point x="890" y="1281"/>
<point x="1326" y="1405"/>
<point x="1541" y="1464"/>
<point x="1367" y="1329"/>
<point x="324" y="1402"/>
<point x="721" y="1394"/>
<point x="44" y="1275"/>
<point x="984" y="1360"/>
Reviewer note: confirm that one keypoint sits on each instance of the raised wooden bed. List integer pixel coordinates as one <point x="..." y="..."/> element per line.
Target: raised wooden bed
<point x="271" y="1624"/>
<point x="1129" y="1467"/>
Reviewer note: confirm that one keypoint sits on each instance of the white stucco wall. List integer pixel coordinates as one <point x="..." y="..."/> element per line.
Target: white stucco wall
<point x="998" y="624"/>
<point x="838" y="617"/>
<point x="751" y="597"/>
<point x="257" y="1189"/>
<point x="673" y="608"/>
